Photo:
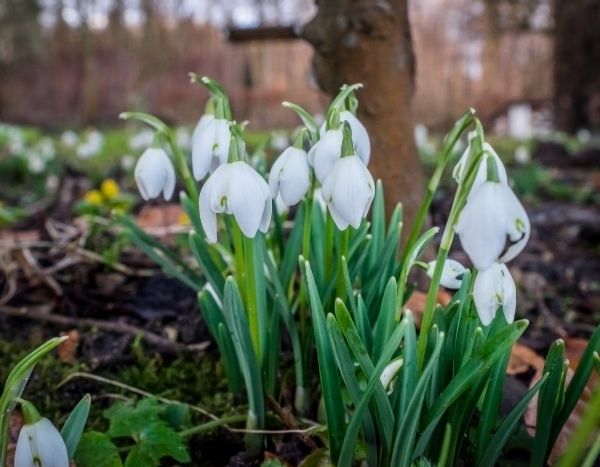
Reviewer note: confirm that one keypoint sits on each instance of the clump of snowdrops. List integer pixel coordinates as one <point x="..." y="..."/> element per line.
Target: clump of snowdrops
<point x="320" y="271"/>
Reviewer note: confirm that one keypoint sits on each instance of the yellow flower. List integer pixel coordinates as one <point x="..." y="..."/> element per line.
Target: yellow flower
<point x="94" y="197"/>
<point x="183" y="219"/>
<point x="109" y="189"/>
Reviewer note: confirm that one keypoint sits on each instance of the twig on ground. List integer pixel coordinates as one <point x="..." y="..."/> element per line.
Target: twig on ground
<point x="42" y="313"/>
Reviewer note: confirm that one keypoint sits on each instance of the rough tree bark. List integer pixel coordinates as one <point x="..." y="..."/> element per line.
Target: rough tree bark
<point x="369" y="41"/>
<point x="577" y="64"/>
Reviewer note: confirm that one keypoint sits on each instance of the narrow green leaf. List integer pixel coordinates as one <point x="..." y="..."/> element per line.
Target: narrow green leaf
<point x="377" y="225"/>
<point x="75" y="424"/>
<point x="402" y="453"/>
<point x="330" y="383"/>
<point x="548" y="401"/>
<point x="293" y="247"/>
<point x="201" y="251"/>
<point x="494" y="447"/>
<point x="386" y="318"/>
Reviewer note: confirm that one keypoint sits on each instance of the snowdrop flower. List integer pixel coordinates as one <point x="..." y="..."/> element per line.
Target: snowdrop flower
<point x="323" y="155"/>
<point x="522" y="155"/>
<point x="235" y="188"/>
<point x="279" y="140"/>
<point x="69" y="138"/>
<point x="35" y="163"/>
<point x="493" y="225"/>
<point x="142" y="139"/>
<point x="482" y="171"/>
<point x="360" y="137"/>
<point x="495" y="287"/>
<point x="451" y="273"/>
<point x="348" y="191"/>
<point x="183" y="137"/>
<point x="40" y="444"/>
<point x="389" y="372"/>
<point x="154" y="173"/>
<point x="290" y="176"/>
<point x="280" y="205"/>
<point x="210" y="145"/>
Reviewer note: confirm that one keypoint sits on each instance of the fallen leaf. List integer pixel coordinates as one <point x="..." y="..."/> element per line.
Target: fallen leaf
<point x="523" y="359"/>
<point x="417" y="301"/>
<point x="67" y="351"/>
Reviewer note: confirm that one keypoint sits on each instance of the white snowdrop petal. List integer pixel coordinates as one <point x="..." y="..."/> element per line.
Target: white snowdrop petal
<point x="484" y="294"/>
<point x="202" y="122"/>
<point x="247" y="204"/>
<point x="326" y="152"/>
<point x="40" y="444"/>
<point x="509" y="294"/>
<point x="390" y="372"/>
<point x="150" y="172"/>
<point x="222" y="140"/>
<point x="208" y="217"/>
<point x="202" y="149"/>
<point x="518" y="226"/>
<point x="169" y="187"/>
<point x="294" y="181"/>
<point x="481" y="227"/>
<point x="275" y="174"/>
<point x="451" y="273"/>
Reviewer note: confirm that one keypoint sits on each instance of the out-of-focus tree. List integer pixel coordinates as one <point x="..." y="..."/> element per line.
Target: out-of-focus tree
<point x="20" y="35"/>
<point x="370" y="42"/>
<point x="577" y="64"/>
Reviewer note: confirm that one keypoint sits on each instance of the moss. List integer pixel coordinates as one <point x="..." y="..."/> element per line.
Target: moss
<point x="196" y="379"/>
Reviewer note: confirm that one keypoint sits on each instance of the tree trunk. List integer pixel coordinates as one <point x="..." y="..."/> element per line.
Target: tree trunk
<point x="577" y="64"/>
<point x="369" y="41"/>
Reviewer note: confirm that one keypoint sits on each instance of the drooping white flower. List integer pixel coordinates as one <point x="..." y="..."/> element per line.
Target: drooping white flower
<point x="495" y="287"/>
<point x="210" y="145"/>
<point x="290" y="176"/>
<point x="389" y="372"/>
<point x="323" y="155"/>
<point x="451" y="273"/>
<point x="154" y="173"/>
<point x="348" y="191"/>
<point x="40" y="444"/>
<point x="235" y="188"/>
<point x="360" y="136"/>
<point x="481" y="177"/>
<point x="493" y="225"/>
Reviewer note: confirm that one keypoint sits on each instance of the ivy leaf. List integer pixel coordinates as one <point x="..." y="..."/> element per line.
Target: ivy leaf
<point x="128" y="420"/>
<point x="155" y="441"/>
<point x="97" y="450"/>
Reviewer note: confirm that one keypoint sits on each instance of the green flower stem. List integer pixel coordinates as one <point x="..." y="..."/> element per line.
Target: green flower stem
<point x="183" y="168"/>
<point x="238" y="255"/>
<point x="308" y="207"/>
<point x="252" y="299"/>
<point x="447" y="150"/>
<point x="329" y="239"/>
<point x="447" y="237"/>
<point x="343" y="253"/>
<point x="30" y="413"/>
<point x="208" y="426"/>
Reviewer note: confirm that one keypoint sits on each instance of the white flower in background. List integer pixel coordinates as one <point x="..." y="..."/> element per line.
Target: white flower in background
<point x="69" y="138"/>
<point x="40" y="444"/>
<point x="493" y="225"/>
<point x="35" y="163"/>
<point x="235" y="188"/>
<point x="46" y="149"/>
<point x="482" y="171"/>
<point x="290" y="176"/>
<point x="318" y="197"/>
<point x="279" y="140"/>
<point x="451" y="273"/>
<point x="421" y="135"/>
<point x="183" y="138"/>
<point x="210" y="145"/>
<point x="91" y="146"/>
<point x="348" y="191"/>
<point x="154" y="173"/>
<point x="141" y="140"/>
<point x="493" y="288"/>
<point x="323" y="155"/>
<point x="127" y="162"/>
<point x="280" y="205"/>
<point x="360" y="137"/>
<point x="389" y="372"/>
<point x="522" y="155"/>
<point x="16" y="140"/>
